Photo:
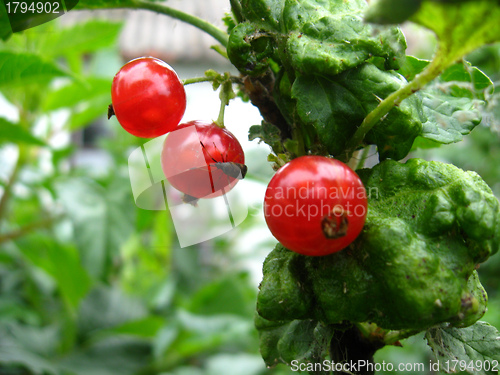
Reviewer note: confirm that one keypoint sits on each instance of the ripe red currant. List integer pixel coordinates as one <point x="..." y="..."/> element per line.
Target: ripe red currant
<point x="202" y="160"/>
<point x="315" y="205"/>
<point x="148" y="97"/>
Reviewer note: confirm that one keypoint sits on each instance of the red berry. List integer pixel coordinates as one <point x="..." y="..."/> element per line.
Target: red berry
<point x="148" y="97"/>
<point x="202" y="160"/>
<point x="315" y="205"/>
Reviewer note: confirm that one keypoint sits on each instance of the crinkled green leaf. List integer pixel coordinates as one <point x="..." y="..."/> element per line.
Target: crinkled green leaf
<point x="459" y="80"/>
<point x="336" y="106"/>
<point x="448" y="118"/>
<point x="15" y="133"/>
<point x="267" y="133"/>
<point x="330" y="37"/>
<point x="17" y="69"/>
<point x="268" y="13"/>
<point x="429" y="224"/>
<point x="452" y="102"/>
<point x="456" y="348"/>
<point x="324" y="37"/>
<point x="305" y="341"/>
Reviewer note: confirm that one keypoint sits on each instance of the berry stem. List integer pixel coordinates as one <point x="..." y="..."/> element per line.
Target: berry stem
<point x="199" y="23"/>
<point x="189" y="81"/>
<point x="220" y="120"/>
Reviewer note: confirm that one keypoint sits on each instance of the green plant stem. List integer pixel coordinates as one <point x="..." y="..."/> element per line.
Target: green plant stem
<point x="364" y="155"/>
<point x="15" y="234"/>
<point x="372" y="332"/>
<point x="203" y="25"/>
<point x="394" y="336"/>
<point x="220" y="119"/>
<point x="189" y="81"/>
<point x="436" y="66"/>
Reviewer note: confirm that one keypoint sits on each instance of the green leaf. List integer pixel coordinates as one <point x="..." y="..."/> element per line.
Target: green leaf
<point x="324" y="37"/>
<point x="5" y="30"/>
<point x="76" y="92"/>
<point x="114" y="355"/>
<point x="428" y="226"/>
<point x="18" y="69"/>
<point x="28" y="347"/>
<point x="391" y="11"/>
<point x="336" y="106"/>
<point x="15" y="133"/>
<point x="304" y="341"/>
<point x="461" y="26"/>
<point x="268" y="133"/>
<point x="459" y="80"/>
<point x="105" y="309"/>
<point x="454" y="347"/>
<point x="205" y="333"/>
<point x="87" y="112"/>
<point x="62" y="263"/>
<point x="230" y="295"/>
<point x="86" y="37"/>
<point x="103" y="219"/>
<point x="88" y="100"/>
<point x="412" y="66"/>
<point x="12" y="354"/>
<point x="452" y="103"/>
<point x="448" y="118"/>
<point x="147" y="327"/>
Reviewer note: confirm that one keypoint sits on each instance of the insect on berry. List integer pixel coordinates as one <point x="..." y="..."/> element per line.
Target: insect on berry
<point x="231" y="169"/>
<point x="191" y="164"/>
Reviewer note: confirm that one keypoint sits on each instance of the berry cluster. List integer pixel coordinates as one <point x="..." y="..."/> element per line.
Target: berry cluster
<point x="200" y="159"/>
<point x="314" y="205"/>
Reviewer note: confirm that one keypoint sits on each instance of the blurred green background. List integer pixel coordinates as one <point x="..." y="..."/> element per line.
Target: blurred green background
<point x="92" y="285"/>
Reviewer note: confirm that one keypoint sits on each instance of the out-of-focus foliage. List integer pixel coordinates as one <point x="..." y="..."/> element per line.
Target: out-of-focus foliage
<point x="89" y="283"/>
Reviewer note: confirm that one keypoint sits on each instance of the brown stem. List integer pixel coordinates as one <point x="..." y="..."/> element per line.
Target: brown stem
<point x="352" y="347"/>
<point x="260" y="92"/>
<point x="44" y="223"/>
